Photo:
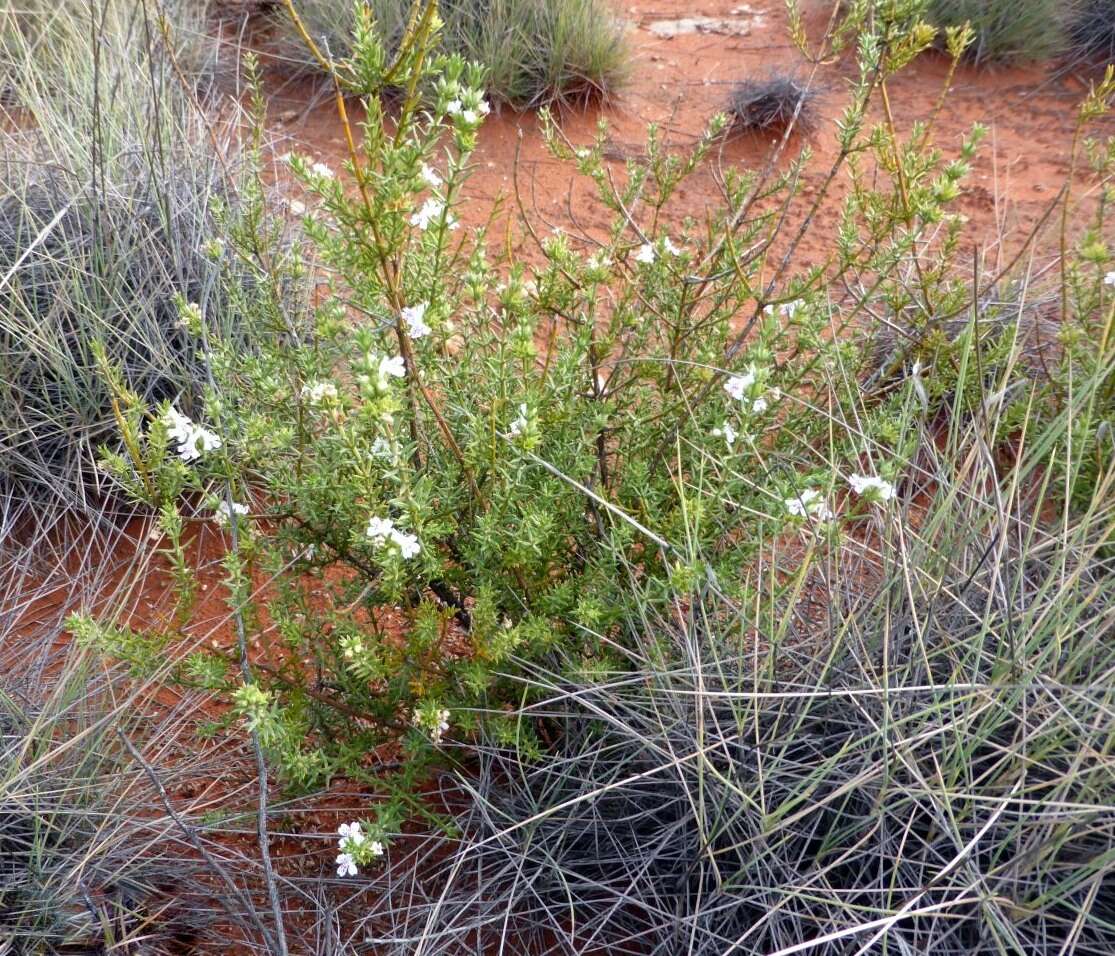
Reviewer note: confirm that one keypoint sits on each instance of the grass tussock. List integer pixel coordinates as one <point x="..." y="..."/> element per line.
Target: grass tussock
<point x="533" y="52"/>
<point x="111" y="180"/>
<point x="1091" y="30"/>
<point x="1005" y="30"/>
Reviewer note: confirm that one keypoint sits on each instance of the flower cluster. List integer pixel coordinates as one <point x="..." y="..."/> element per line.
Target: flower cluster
<point x="432" y="211"/>
<point x="748" y="389"/>
<point x="468" y="108"/>
<point x="317" y="392"/>
<point x="223" y="512"/>
<point x="193" y="440"/>
<point x="809" y="503"/>
<point x="433" y="721"/>
<point x="871" y="487"/>
<point x="355" y="847"/>
<point x="648" y="252"/>
<point x="382" y="531"/>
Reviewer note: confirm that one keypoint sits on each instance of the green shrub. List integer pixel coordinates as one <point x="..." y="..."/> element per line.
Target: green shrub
<point x="1006" y="30"/>
<point x="533" y="51"/>
<point x="523" y="462"/>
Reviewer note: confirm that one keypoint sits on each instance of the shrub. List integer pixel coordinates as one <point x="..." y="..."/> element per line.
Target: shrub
<point x="519" y="464"/>
<point x="1005" y="30"/>
<point x="769" y="104"/>
<point x="533" y="52"/>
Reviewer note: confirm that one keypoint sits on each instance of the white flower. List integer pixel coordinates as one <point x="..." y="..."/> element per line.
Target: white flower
<point x="871" y="487"/>
<point x="382" y="448"/>
<point x="319" y="391"/>
<point x="787" y="309"/>
<point x="375" y="848"/>
<point x="430" y="176"/>
<point x="482" y="107"/>
<point x="346" y="865"/>
<point x="297" y="207"/>
<point x="1109" y="279"/>
<point x="414" y="316"/>
<point x="193" y="440"/>
<point x="810" y="503"/>
<point x="431" y="211"/>
<point x="351" y="834"/>
<point x="471" y="117"/>
<point x="434" y="722"/>
<point x="379" y="529"/>
<point x="738" y="386"/>
<point x="223" y="512"/>
<point x="645" y="254"/>
<point x="406" y="543"/>
<point x="759" y="406"/>
<point x="393" y="366"/>
<point x="670" y="247"/>
<point x="322" y="170"/>
<point x="519" y="425"/>
<point x="727" y="432"/>
<point x="453" y="107"/>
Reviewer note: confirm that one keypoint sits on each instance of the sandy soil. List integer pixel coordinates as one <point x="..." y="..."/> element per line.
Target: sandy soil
<point x="680" y="81"/>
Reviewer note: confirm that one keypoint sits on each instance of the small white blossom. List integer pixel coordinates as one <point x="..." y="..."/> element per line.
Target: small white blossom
<point x="1109" y="279"/>
<point x="471" y="117"/>
<point x="406" y="543"/>
<point x="382" y="448"/>
<point x="193" y="440"/>
<point x="392" y="366"/>
<point x="223" y="512"/>
<point x="482" y="107"/>
<point x="453" y="107"/>
<point x="319" y="391"/>
<point x="810" y="503"/>
<point x="670" y="247"/>
<point x="738" y="386"/>
<point x="322" y="170"/>
<point x="519" y="425"/>
<point x="375" y="848"/>
<point x="379" y="529"/>
<point x="415" y="318"/>
<point x="759" y="406"/>
<point x="297" y="207"/>
<point x="430" y="176"/>
<point x="645" y="254"/>
<point x="787" y="309"/>
<point x="431" y="211"/>
<point x="871" y="487"/>
<point x="350" y="834"/>
<point x="346" y="865"/>
<point x="727" y="432"/>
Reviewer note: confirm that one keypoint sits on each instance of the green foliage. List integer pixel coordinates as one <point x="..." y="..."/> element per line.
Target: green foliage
<point x="532" y="51"/>
<point x="463" y="465"/>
